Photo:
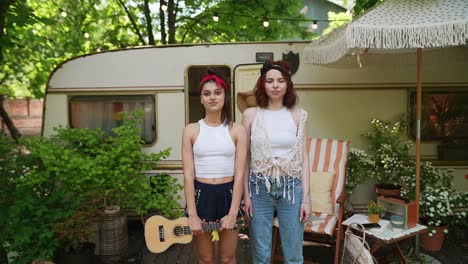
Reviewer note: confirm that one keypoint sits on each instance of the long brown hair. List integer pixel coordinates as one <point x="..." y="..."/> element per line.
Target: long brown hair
<point x="290" y="98"/>
<point x="226" y="115"/>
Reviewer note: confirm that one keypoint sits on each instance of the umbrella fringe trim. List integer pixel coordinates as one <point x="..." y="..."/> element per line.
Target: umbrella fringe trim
<point x="425" y="36"/>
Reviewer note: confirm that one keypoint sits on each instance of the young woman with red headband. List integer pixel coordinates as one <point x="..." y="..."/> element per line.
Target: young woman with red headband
<point x="279" y="166"/>
<point x="214" y="153"/>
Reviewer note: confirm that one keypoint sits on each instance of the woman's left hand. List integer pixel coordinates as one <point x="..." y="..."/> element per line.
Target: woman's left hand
<point x="228" y="222"/>
<point x="305" y="212"/>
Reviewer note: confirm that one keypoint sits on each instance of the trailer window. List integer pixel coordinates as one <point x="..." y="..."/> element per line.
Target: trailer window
<point x="103" y="112"/>
<point x="195" y="110"/>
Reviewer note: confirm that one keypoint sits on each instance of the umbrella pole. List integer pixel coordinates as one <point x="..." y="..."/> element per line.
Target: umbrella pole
<point x="418" y="138"/>
<point x="418" y="127"/>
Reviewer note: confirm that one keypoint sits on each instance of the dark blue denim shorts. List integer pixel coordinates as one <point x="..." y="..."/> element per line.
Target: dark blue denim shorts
<point x="213" y="201"/>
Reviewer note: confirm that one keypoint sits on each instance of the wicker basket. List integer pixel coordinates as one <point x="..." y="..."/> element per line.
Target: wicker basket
<point x="113" y="235"/>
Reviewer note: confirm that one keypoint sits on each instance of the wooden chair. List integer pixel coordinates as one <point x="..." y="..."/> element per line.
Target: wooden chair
<point x="325" y="155"/>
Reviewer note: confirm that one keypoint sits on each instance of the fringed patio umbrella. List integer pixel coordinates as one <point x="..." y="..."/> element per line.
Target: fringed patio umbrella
<point x="397" y="26"/>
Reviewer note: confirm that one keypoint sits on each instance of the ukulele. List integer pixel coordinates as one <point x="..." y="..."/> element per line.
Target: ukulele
<point x="161" y="233"/>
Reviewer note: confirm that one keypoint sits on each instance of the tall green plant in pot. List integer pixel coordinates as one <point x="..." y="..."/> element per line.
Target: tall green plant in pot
<point x="390" y="154"/>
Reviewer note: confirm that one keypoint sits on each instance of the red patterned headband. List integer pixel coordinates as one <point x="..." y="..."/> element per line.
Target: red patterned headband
<point x="220" y="82"/>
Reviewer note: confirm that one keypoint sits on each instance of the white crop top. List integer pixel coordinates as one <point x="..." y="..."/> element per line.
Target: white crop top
<point x="214" y="152"/>
<point x="281" y="131"/>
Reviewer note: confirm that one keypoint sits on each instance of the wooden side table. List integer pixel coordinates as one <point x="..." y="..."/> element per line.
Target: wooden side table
<point x="385" y="235"/>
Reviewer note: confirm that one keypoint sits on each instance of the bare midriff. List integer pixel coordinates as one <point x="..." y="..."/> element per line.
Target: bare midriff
<point x="216" y="180"/>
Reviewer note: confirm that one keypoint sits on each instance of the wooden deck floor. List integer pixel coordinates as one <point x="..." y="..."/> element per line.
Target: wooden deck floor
<point x="177" y="253"/>
<point x="453" y="253"/>
<point x="186" y="254"/>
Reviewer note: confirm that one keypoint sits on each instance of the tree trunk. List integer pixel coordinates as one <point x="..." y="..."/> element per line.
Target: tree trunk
<point x="149" y="26"/>
<point x="14" y="132"/>
<point x="4" y="5"/>
<point x="132" y="20"/>
<point x="171" y="17"/>
<point x="162" y="22"/>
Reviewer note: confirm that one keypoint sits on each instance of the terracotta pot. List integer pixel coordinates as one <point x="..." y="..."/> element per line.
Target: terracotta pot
<point x="435" y="242"/>
<point x="388" y="190"/>
<point x="373" y="218"/>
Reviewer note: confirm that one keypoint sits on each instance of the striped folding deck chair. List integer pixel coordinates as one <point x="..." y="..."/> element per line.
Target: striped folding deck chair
<point x="325" y="155"/>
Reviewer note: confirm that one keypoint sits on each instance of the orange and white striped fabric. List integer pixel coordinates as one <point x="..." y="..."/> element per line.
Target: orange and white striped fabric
<point x="327" y="155"/>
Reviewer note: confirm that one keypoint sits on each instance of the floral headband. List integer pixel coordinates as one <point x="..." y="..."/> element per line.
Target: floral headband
<point x="269" y="66"/>
<point x="220" y="82"/>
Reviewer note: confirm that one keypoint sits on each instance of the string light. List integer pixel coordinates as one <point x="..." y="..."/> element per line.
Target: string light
<point x="279" y="18"/>
<point x="314" y="25"/>
<point x="63" y="13"/>
<point x="266" y="23"/>
<point x="86" y="35"/>
<point x="164" y="6"/>
<point x="215" y="17"/>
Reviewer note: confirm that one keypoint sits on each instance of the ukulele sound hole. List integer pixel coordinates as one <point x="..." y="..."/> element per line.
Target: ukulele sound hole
<point x="178" y="231"/>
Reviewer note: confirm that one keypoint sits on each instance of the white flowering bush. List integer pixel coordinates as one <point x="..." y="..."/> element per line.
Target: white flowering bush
<point x="436" y="207"/>
<point x="390" y="153"/>
<point x="358" y="169"/>
<point x="390" y="163"/>
<point x="441" y="206"/>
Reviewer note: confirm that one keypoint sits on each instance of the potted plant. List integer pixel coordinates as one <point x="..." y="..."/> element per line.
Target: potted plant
<point x="374" y="211"/>
<point x="389" y="153"/>
<point x="441" y="209"/>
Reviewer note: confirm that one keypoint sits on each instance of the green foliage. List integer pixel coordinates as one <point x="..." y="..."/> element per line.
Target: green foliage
<point x="358" y="169"/>
<point x="363" y="5"/>
<point x="162" y="198"/>
<point x="242" y="21"/>
<point x="458" y="223"/>
<point x="28" y="205"/>
<point x="54" y="195"/>
<point x="337" y="20"/>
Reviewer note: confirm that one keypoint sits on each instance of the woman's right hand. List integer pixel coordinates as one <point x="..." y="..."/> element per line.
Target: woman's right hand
<point x="195" y="225"/>
<point x="248" y="208"/>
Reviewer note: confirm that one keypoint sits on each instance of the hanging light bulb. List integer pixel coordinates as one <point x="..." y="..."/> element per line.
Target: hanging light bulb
<point x="314" y="25"/>
<point x="266" y="23"/>
<point x="215" y="17"/>
<point x="164" y="6"/>
<point x="86" y="35"/>
<point x="63" y="13"/>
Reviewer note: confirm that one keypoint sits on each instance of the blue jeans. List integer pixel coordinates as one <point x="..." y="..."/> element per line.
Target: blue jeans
<point x="291" y="228"/>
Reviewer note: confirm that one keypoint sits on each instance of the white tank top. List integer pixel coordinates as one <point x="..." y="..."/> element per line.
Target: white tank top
<point x="281" y="131"/>
<point x="214" y="152"/>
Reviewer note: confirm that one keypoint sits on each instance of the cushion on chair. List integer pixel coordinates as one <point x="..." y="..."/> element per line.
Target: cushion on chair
<point x="320" y="191"/>
<point x="330" y="155"/>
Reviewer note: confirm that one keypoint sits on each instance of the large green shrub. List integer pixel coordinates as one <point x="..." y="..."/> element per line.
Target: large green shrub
<point x="56" y="192"/>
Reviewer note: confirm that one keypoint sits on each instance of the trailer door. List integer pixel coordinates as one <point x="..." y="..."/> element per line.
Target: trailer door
<point x="245" y="78"/>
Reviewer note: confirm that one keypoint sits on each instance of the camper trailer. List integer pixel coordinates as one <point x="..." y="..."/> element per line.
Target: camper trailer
<point x="341" y="99"/>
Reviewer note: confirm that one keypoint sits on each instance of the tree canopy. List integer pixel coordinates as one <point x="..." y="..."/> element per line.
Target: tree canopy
<point x="37" y="35"/>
